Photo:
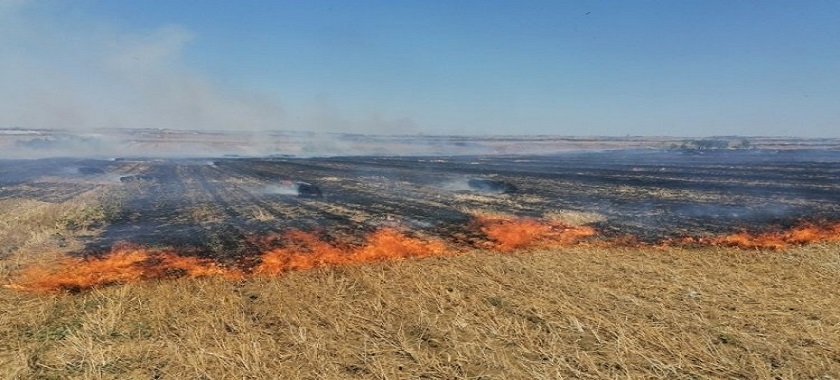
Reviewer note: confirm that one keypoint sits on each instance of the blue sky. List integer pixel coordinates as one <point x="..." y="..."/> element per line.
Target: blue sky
<point x="674" y="68"/>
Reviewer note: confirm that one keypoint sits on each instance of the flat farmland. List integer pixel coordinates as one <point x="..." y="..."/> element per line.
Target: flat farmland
<point x="601" y="264"/>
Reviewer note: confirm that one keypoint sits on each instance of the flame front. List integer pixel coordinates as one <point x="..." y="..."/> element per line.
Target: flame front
<point x="305" y="250"/>
<point x="799" y="235"/>
<point x="123" y="264"/>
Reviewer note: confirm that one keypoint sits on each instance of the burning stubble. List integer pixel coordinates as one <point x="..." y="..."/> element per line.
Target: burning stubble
<point x="802" y="234"/>
<point x="301" y="250"/>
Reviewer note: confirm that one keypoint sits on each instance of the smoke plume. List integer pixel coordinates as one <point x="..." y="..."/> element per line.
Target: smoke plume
<point x="61" y="72"/>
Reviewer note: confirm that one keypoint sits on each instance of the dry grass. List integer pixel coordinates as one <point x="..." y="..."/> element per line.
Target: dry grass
<point x="576" y="313"/>
<point x="32" y="229"/>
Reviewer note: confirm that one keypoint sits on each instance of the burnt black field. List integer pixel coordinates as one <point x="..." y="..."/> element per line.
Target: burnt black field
<point x="221" y="207"/>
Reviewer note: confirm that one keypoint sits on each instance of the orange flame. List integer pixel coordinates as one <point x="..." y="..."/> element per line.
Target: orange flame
<point x="509" y="234"/>
<point x="123" y="264"/>
<point x="799" y="235"/>
<point x="307" y="251"/>
<point x="805" y="233"/>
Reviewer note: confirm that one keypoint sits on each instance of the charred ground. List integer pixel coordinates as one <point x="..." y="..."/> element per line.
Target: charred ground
<point x="228" y="208"/>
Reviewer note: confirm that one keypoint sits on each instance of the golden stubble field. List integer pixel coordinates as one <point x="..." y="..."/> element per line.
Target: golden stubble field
<point x="577" y="312"/>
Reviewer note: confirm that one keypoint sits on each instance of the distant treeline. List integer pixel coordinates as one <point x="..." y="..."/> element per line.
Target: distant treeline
<point x="704" y="144"/>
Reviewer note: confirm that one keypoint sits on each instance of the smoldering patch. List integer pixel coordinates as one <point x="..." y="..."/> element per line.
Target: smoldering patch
<point x="279" y="189"/>
<point x="479" y="185"/>
<point x="292" y="188"/>
<point x="459" y="184"/>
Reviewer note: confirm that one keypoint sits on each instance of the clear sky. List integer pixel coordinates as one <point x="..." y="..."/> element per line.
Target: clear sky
<point x="675" y="68"/>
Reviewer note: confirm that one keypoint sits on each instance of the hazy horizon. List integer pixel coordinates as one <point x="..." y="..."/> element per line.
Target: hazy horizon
<point x="688" y="69"/>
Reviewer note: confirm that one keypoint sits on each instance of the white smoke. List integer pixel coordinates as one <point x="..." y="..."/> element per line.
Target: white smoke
<point x="289" y="188"/>
<point x="79" y="75"/>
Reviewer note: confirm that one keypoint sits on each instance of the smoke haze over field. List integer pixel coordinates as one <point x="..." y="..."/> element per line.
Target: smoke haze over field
<point x="695" y="69"/>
